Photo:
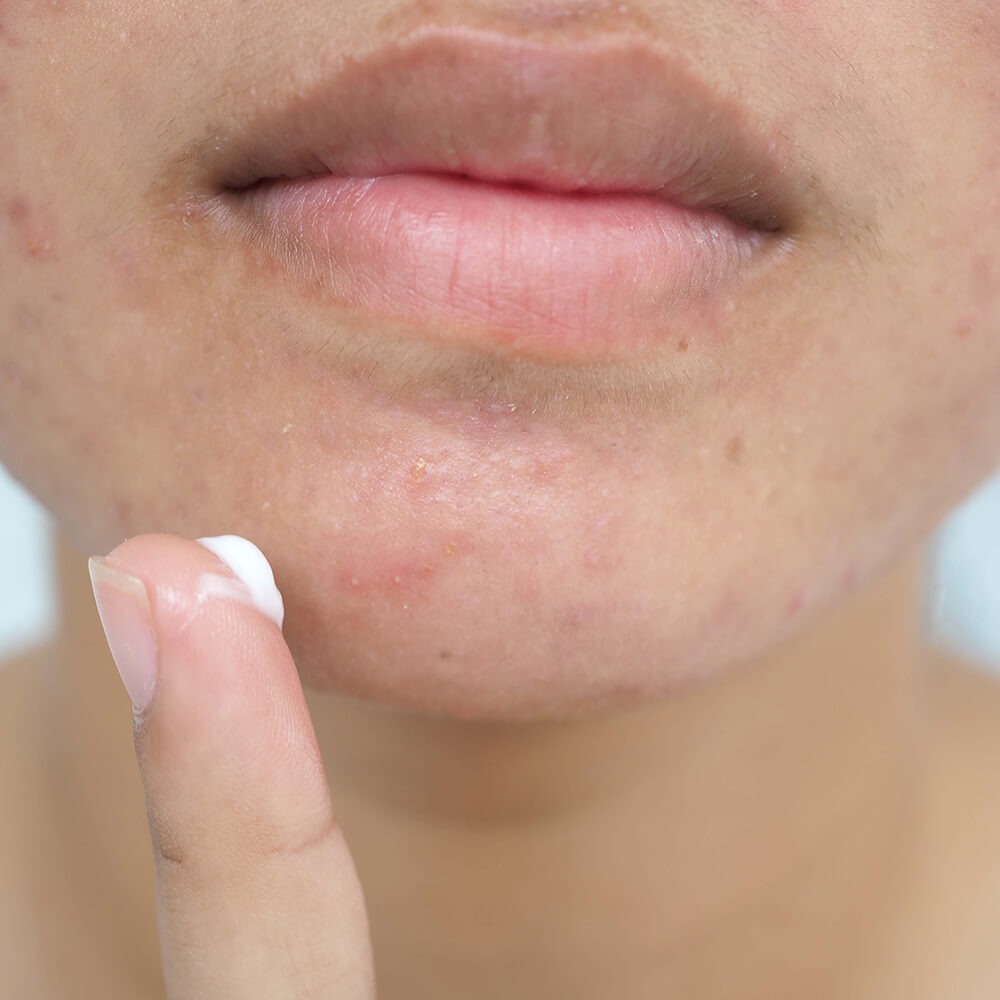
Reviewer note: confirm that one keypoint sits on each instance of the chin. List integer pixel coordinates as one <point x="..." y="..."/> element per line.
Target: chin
<point x="541" y="625"/>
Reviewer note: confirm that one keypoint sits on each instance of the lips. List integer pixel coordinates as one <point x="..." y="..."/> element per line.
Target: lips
<point x="563" y="200"/>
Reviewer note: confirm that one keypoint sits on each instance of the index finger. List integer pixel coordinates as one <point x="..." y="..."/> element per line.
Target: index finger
<point x="257" y="893"/>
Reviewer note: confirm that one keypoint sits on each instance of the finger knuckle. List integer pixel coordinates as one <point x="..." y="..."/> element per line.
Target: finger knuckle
<point x="239" y="841"/>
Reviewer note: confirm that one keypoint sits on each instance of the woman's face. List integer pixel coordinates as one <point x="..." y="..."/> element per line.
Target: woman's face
<point x="509" y="454"/>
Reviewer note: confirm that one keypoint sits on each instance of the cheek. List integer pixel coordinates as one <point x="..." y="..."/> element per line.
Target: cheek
<point x="30" y="295"/>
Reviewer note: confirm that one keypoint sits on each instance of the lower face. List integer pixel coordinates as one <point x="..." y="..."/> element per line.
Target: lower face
<point x="488" y="535"/>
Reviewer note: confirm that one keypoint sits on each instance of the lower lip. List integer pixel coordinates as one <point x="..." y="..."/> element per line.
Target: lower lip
<point x="552" y="275"/>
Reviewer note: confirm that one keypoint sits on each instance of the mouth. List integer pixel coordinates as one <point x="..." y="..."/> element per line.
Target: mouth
<point x="568" y="201"/>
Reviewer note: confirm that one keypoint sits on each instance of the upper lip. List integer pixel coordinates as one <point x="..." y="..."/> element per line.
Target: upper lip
<point x="609" y="113"/>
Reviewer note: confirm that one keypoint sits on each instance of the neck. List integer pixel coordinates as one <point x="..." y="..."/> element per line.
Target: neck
<point x="739" y="839"/>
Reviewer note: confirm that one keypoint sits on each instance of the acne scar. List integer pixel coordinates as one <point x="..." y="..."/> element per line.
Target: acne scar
<point x="734" y="448"/>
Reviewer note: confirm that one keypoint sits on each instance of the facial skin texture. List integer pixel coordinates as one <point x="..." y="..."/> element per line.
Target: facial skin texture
<point x="461" y="554"/>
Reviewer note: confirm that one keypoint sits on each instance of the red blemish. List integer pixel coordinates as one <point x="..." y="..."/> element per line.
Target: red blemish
<point x="14" y="374"/>
<point x="17" y="211"/>
<point x="32" y="228"/>
<point x="396" y="576"/>
<point x="985" y="28"/>
<point x="11" y="40"/>
<point x="572" y="618"/>
<point x="796" y="603"/>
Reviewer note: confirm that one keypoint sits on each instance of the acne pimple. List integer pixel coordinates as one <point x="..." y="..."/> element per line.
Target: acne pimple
<point x="31" y="227"/>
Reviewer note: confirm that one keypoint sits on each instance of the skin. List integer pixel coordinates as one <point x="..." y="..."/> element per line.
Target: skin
<point x="688" y="580"/>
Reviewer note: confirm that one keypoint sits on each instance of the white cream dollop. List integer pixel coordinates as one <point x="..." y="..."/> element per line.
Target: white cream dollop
<point x="251" y="566"/>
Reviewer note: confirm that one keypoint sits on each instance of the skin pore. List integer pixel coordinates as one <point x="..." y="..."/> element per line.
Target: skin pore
<point x="773" y="786"/>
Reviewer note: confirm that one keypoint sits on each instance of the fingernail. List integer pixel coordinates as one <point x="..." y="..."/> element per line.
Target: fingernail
<point x="123" y="606"/>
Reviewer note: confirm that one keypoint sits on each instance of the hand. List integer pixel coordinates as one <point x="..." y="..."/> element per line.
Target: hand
<point x="257" y="893"/>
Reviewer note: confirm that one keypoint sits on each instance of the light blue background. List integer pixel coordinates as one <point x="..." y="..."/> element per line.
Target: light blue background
<point x="963" y="597"/>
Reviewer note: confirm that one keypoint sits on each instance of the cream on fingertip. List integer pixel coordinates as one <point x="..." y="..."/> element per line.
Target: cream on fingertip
<point x="251" y="566"/>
